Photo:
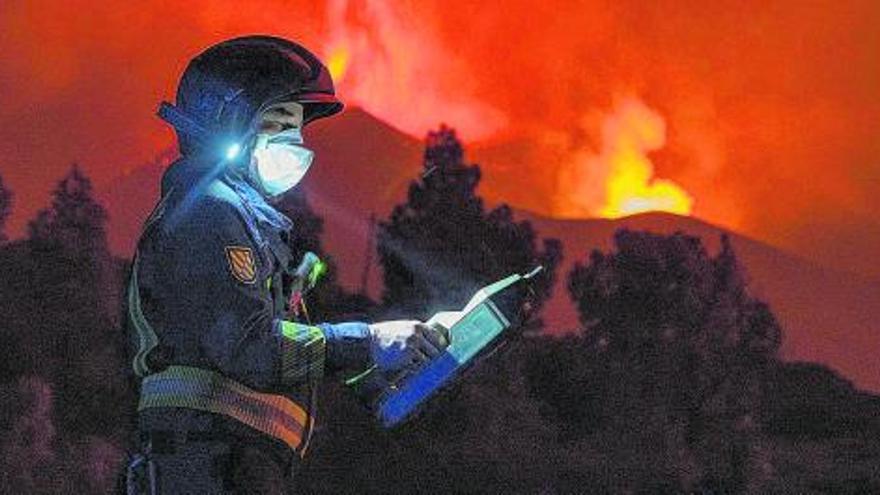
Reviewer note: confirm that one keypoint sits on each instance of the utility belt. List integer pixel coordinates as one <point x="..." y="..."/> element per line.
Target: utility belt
<point x="205" y="390"/>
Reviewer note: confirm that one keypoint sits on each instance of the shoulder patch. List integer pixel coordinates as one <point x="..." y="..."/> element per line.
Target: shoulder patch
<point x="241" y="263"/>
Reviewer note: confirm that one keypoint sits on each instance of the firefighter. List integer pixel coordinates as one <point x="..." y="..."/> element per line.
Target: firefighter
<point x="228" y="381"/>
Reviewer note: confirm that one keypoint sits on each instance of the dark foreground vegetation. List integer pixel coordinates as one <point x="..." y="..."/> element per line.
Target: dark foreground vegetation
<point x="673" y="385"/>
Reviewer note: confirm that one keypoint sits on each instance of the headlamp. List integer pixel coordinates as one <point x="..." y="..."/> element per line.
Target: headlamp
<point x="232" y="151"/>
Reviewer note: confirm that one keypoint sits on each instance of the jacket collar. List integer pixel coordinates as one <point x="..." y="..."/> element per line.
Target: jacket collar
<point x="193" y="176"/>
<point x="257" y="203"/>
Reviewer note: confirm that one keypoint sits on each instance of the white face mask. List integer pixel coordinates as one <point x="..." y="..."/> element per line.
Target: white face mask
<point x="280" y="162"/>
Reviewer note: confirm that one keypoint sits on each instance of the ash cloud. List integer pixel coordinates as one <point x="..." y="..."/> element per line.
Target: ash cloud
<point x="771" y="109"/>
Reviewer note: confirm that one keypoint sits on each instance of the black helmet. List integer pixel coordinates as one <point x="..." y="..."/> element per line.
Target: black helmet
<point x="225" y="88"/>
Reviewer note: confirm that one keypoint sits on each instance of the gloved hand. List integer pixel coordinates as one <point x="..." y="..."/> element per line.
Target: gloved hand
<point x="400" y="344"/>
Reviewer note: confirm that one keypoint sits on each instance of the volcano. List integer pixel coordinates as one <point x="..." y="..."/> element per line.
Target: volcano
<point x="363" y="168"/>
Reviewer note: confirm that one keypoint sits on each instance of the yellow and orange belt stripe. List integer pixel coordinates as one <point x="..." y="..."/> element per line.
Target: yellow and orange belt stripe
<point x="205" y="390"/>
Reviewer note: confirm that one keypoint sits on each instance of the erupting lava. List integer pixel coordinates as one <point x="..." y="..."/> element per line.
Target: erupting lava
<point x="404" y="76"/>
<point x="337" y="62"/>
<point x="410" y="80"/>
<point x="619" y="179"/>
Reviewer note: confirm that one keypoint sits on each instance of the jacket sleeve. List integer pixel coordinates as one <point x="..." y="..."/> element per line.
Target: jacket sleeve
<point x="348" y="346"/>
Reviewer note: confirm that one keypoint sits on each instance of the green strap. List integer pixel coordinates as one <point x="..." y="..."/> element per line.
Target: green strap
<point x="146" y="336"/>
<point x="303" y="349"/>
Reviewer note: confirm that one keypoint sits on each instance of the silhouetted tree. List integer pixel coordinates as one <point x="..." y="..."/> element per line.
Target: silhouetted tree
<point x="28" y="455"/>
<point x="5" y="208"/>
<point x="59" y="299"/>
<point x="673" y="362"/>
<point x="74" y="223"/>
<point x="36" y="456"/>
<point x="441" y="245"/>
<point x="486" y="435"/>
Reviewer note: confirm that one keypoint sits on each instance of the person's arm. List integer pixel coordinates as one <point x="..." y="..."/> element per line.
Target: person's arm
<point x="389" y="345"/>
<point x="245" y="340"/>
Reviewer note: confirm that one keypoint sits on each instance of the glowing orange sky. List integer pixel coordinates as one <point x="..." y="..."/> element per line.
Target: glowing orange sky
<point x="770" y="111"/>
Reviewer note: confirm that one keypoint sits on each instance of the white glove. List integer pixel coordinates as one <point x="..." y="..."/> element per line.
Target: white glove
<point x="400" y="344"/>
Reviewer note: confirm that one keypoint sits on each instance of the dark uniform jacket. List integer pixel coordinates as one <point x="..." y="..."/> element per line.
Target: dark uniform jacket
<point x="208" y="274"/>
